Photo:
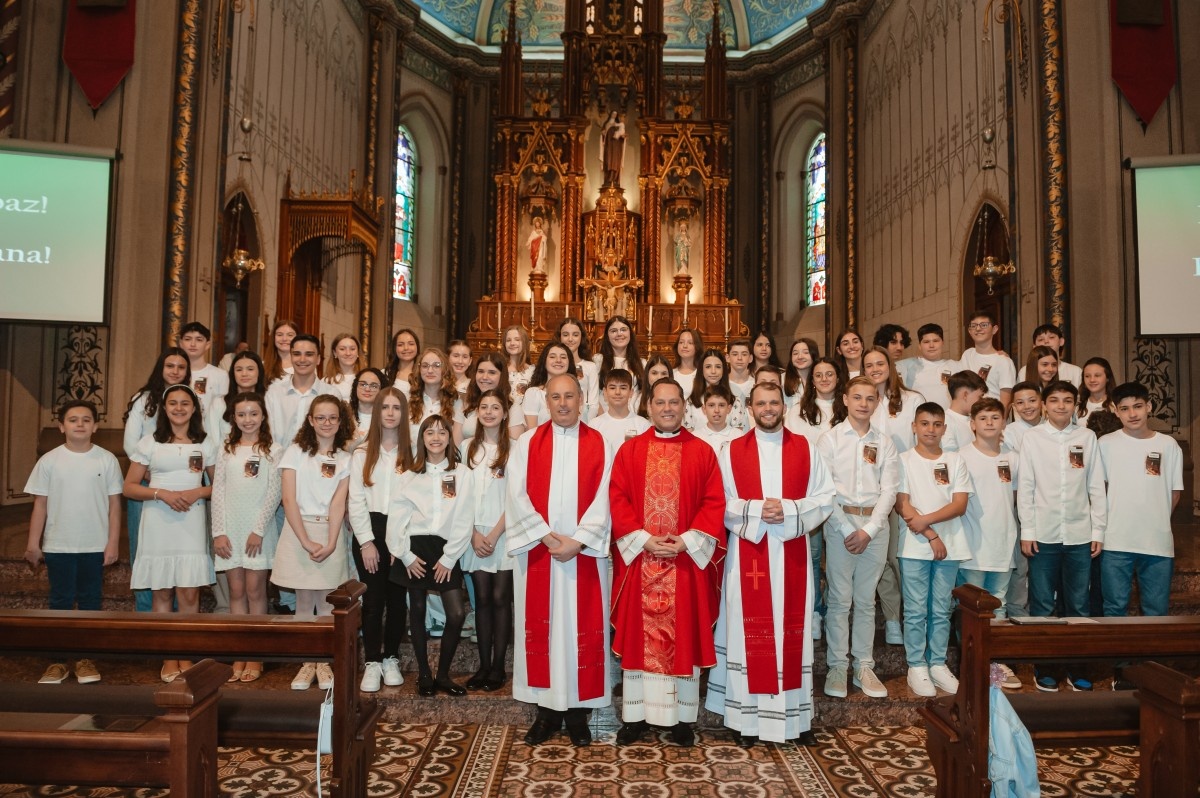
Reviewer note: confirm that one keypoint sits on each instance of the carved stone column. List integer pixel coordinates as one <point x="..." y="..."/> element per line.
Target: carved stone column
<point x="651" y="189"/>
<point x="714" y="241"/>
<point x="572" y="269"/>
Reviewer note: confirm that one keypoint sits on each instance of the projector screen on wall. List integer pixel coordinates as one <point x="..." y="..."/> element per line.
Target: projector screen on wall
<point x="1166" y="195"/>
<point x="54" y="232"/>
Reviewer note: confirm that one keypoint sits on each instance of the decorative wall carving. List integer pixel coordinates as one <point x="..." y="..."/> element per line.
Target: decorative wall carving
<point x="1153" y="367"/>
<point x="433" y="72"/>
<point x="81" y="352"/>
<point x="10" y="24"/>
<point x="797" y="76"/>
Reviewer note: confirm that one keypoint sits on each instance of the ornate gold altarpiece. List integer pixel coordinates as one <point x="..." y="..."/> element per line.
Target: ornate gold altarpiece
<point x="610" y="258"/>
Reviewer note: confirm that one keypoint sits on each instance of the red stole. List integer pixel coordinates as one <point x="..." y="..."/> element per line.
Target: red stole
<point x="589" y="604"/>
<point x="754" y="561"/>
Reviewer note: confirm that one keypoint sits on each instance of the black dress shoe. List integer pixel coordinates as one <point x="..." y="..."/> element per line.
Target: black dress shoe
<point x="543" y="729"/>
<point x="494" y="683"/>
<point x="744" y="740"/>
<point x="632" y="732"/>
<point x="426" y="687"/>
<point x="447" y="686"/>
<point x="807" y="738"/>
<point x="577" y="728"/>
<point x="683" y="735"/>
<point x="478" y="681"/>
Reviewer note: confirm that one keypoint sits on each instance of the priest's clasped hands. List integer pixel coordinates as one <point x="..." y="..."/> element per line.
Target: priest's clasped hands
<point x="562" y="547"/>
<point x="667" y="546"/>
<point x="772" y="511"/>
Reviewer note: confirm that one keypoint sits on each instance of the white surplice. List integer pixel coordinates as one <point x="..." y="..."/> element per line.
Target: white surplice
<point x="788" y="713"/>
<point x="525" y="529"/>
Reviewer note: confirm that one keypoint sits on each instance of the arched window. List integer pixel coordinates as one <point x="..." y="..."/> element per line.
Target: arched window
<point x="406" y="204"/>
<point x="814" y="228"/>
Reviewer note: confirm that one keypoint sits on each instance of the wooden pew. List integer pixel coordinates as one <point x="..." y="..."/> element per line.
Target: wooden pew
<point x="245" y="717"/>
<point x="1170" y="726"/>
<point x="177" y="749"/>
<point x="957" y="726"/>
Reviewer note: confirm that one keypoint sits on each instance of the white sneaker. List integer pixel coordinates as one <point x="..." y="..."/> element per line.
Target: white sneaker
<point x="943" y="679"/>
<point x="55" y="674"/>
<point x="324" y="675"/>
<point x="920" y="683"/>
<point x="893" y="634"/>
<point x="1010" y="680"/>
<point x="835" y="682"/>
<point x="866" y="680"/>
<point x="391" y="672"/>
<point x="816" y="627"/>
<point x="304" y="679"/>
<point x="372" y="677"/>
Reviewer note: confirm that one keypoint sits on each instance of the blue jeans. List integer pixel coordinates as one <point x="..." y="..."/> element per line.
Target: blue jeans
<point x="816" y="547"/>
<point x="75" y="580"/>
<point x="994" y="582"/>
<point x="142" y="599"/>
<point x="1154" y="582"/>
<point x="927" y="587"/>
<point x="1057" y="564"/>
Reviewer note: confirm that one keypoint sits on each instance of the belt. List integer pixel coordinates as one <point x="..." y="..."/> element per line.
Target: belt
<point x="315" y="518"/>
<point x="861" y="511"/>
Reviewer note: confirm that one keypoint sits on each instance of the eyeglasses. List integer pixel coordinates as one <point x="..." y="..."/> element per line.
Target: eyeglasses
<point x="326" y="419"/>
<point x="370" y="386"/>
<point x="436" y="365"/>
<point x="979" y="326"/>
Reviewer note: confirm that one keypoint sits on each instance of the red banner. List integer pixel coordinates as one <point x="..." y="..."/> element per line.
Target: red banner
<point x="98" y="47"/>
<point x="1143" y="56"/>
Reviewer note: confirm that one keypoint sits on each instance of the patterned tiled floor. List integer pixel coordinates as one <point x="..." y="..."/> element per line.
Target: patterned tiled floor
<point x="468" y="761"/>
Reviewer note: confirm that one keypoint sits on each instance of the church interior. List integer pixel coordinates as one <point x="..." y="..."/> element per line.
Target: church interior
<point x="453" y="168"/>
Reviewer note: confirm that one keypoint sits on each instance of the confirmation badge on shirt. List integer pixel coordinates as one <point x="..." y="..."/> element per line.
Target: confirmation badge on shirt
<point x="196" y="462"/>
<point x="200" y="385"/>
<point x="941" y="474"/>
<point x="498" y="472"/>
<point x="870" y="453"/>
<point x="1075" y="456"/>
<point x="251" y="469"/>
<point x="1154" y="464"/>
<point x="1005" y="471"/>
<point x="448" y="486"/>
<point x="984" y="370"/>
<point x="328" y="468"/>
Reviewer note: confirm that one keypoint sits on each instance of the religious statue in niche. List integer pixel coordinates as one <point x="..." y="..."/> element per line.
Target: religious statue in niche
<point x="683" y="246"/>
<point x="612" y="148"/>
<point x="537" y="242"/>
<point x="611" y="293"/>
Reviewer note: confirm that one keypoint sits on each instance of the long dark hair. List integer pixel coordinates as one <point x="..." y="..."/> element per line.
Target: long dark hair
<point x="772" y="359"/>
<point x="375" y="436"/>
<point x="393" y="366"/>
<point x="585" y="345"/>
<point x="633" y="361"/>
<point x="1031" y="364"/>
<point x="195" y="430"/>
<point x="473" y="393"/>
<point x="697" y="347"/>
<point x="1110" y="385"/>
<point x="894" y="388"/>
<point x="793" y="380"/>
<point x="419" y="462"/>
<point x="540" y="376"/>
<point x="265" y="441"/>
<point x="698" y="386"/>
<point x="504" y="442"/>
<point x="260" y="386"/>
<point x="275" y="369"/>
<point x="647" y="386"/>
<point x="837" y="346"/>
<point x="809" y="410"/>
<point x="384" y="382"/>
<point x="155" y="386"/>
<point x="306" y="438"/>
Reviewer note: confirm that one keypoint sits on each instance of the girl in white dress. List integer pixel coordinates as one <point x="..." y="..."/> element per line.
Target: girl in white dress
<point x="459" y="353"/>
<point x="315" y="481"/>
<point x="555" y="359"/>
<point x="520" y="370"/>
<point x="618" y="350"/>
<point x="431" y="392"/>
<point x="849" y="351"/>
<point x="405" y="347"/>
<point x="364" y="392"/>
<point x="803" y="354"/>
<point x="279" y="364"/>
<point x="897" y="404"/>
<point x="688" y="347"/>
<point x="246" y="491"/>
<point x="172" y="551"/>
<point x="1098" y="385"/>
<point x="428" y="529"/>
<point x="490" y="373"/>
<point x="344" y="363"/>
<point x="820" y="405"/>
<point x="571" y="333"/>
<point x="485" y="560"/>
<point x="374" y="468"/>
<point x="246" y="375"/>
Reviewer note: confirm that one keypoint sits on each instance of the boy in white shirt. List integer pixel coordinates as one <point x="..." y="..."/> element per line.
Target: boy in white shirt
<point x="618" y="424"/>
<point x="208" y="381"/>
<point x="716" y="402"/>
<point x="1052" y="336"/>
<point x="895" y="339"/>
<point x="1027" y="412"/>
<point x="288" y="397"/>
<point x="1063" y="512"/>
<point x="740" y="378"/>
<point x="966" y="388"/>
<point x="76" y="521"/>
<point x="996" y="368"/>
<point x="864" y="466"/>
<point x="932" y="497"/>
<point x="1145" y="483"/>
<point x="932" y="370"/>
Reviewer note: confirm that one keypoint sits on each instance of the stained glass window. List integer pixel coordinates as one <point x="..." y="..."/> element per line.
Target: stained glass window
<point x="814" y="230"/>
<point x="406" y="203"/>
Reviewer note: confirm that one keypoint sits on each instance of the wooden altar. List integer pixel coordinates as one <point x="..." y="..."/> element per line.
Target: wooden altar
<point x="581" y="230"/>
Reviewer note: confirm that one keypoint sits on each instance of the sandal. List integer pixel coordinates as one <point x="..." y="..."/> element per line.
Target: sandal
<point x="170" y="671"/>
<point x="251" y="672"/>
<point x="238" y="669"/>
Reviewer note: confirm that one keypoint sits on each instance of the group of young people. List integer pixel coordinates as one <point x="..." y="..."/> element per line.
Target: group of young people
<point x="883" y="475"/>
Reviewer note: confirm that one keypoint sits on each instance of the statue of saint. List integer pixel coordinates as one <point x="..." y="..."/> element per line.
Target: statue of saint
<point x="683" y="247"/>
<point x="537" y="247"/>
<point x="612" y="148"/>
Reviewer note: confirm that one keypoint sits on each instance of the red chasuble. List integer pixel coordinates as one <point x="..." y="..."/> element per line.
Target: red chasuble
<point x="664" y="609"/>
<point x="754" y="560"/>
<point x="589" y="605"/>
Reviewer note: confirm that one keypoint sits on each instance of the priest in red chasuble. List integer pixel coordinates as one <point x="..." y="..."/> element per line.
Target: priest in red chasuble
<point x="558" y="530"/>
<point x="777" y="491"/>
<point x="668" y="508"/>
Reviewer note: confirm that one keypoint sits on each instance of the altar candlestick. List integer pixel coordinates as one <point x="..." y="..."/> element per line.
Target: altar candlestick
<point x="685" y="309"/>
<point x="499" y="316"/>
<point x="649" y="321"/>
<point x="532" y="311"/>
<point x="727" y="321"/>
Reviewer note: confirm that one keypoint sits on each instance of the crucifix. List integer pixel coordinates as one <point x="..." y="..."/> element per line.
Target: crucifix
<point x="755" y="573"/>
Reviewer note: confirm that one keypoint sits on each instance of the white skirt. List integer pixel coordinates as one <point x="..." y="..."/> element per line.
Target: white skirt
<point x="293" y="567"/>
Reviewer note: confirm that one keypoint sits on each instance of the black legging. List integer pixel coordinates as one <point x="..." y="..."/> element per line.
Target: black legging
<point x="493" y="619"/>
<point x="455" y="603"/>
<point x="383" y="603"/>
